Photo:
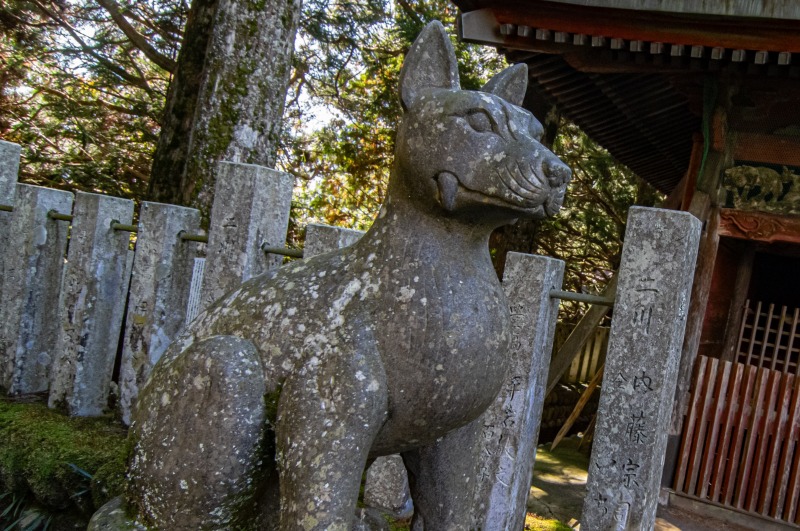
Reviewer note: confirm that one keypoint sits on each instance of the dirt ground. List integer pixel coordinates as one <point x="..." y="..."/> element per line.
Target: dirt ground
<point x="559" y="485"/>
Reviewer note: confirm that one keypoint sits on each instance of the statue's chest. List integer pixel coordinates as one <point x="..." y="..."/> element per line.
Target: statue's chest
<point x="444" y="337"/>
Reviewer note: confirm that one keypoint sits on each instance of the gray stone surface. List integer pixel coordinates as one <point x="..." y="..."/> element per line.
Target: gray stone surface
<point x="33" y="274"/>
<point x="655" y="278"/>
<point x="251" y="207"/>
<point x="9" y="169"/>
<point x="92" y="304"/>
<point x="396" y="344"/>
<point x="511" y="424"/>
<point x="386" y="486"/>
<point x="162" y="271"/>
<point x="324" y="238"/>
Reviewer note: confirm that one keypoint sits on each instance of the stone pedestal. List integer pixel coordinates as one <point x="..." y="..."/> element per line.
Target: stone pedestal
<point x="511" y="424"/>
<point x="644" y="345"/>
<point x="162" y="271"/>
<point x="324" y="238"/>
<point x="92" y="304"/>
<point x="32" y="273"/>
<point x="251" y="207"/>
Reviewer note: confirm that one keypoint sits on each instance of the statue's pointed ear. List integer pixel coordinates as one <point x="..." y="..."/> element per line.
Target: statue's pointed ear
<point x="430" y="63"/>
<point x="510" y="84"/>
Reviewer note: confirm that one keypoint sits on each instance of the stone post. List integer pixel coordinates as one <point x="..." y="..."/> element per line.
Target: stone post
<point x="32" y="273"/>
<point x="511" y="424"/>
<point x="162" y="272"/>
<point x="9" y="169"/>
<point x="644" y="346"/>
<point x="251" y="207"/>
<point x="324" y="238"/>
<point x="92" y="304"/>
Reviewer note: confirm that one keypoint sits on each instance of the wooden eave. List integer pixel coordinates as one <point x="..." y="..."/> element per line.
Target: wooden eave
<point x="633" y="80"/>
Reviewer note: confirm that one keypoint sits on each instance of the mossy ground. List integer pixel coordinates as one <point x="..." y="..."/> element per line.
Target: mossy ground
<point x="66" y="465"/>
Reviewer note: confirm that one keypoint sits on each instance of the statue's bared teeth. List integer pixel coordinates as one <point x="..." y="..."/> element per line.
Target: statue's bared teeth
<point x="448" y="189"/>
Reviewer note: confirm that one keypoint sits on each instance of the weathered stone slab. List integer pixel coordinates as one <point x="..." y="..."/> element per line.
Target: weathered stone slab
<point x="33" y="274"/>
<point x="9" y="169"/>
<point x="251" y="207"/>
<point x="91" y="305"/>
<point x="324" y="238"/>
<point x="511" y="424"/>
<point x="162" y="272"/>
<point x="655" y="277"/>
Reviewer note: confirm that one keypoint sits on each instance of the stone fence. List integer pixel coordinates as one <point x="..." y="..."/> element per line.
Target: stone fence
<point x="78" y="309"/>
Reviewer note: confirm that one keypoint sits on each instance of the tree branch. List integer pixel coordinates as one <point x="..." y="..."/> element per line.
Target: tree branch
<point x="137" y="38"/>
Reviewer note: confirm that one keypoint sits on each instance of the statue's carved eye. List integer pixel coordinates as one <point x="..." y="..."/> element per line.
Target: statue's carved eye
<point x="479" y="120"/>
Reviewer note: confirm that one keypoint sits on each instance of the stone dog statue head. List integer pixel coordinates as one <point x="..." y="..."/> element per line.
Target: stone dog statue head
<point x="264" y="413"/>
<point x="487" y="156"/>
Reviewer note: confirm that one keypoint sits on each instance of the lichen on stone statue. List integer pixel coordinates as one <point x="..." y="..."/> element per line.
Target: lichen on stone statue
<point x="265" y="412"/>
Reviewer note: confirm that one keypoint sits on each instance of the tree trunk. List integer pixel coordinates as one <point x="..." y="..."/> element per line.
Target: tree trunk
<point x="227" y="97"/>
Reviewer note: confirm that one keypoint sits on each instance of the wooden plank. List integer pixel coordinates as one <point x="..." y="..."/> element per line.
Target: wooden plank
<point x="726" y="429"/>
<point x="756" y="318"/>
<point x="739" y="344"/>
<point x="718" y="405"/>
<point x="737" y="436"/>
<point x="706" y="405"/>
<point x="778" y="335"/>
<point x="576" y="411"/>
<point x="791" y="463"/>
<point x="759" y="226"/>
<point x="765" y="148"/>
<point x="778" y="509"/>
<point x="770" y="488"/>
<point x="748" y="451"/>
<point x="790" y="346"/>
<point x="765" y="338"/>
<point x="764" y="428"/>
<point x="733" y="326"/>
<point x="690" y="425"/>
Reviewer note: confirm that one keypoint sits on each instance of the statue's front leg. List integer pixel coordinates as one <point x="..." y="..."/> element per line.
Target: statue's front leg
<point x="442" y="478"/>
<point x="328" y="416"/>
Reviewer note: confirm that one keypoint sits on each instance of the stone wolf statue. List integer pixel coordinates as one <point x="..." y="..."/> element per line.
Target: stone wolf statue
<point x="266" y="411"/>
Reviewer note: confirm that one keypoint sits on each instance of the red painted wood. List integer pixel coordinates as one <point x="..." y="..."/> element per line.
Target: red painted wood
<point x="696" y="453"/>
<point x="765" y="428"/>
<point x="689" y="424"/>
<point x="748" y="451"/>
<point x="770" y="487"/>
<point x="716" y="408"/>
<point x="726" y="429"/>
<point x="737" y="437"/>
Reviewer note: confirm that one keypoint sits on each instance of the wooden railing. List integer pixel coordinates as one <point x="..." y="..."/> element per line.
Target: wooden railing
<point x="741" y="440"/>
<point x="770" y="337"/>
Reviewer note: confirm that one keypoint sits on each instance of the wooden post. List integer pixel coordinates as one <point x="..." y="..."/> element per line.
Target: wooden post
<point x="743" y="273"/>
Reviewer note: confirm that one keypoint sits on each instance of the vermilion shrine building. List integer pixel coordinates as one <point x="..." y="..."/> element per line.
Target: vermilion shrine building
<point x="702" y="100"/>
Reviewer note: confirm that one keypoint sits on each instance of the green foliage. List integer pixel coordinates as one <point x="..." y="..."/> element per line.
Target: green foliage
<point x="80" y="95"/>
<point x="343" y="162"/>
<point x="589" y="231"/>
<point x="62" y="464"/>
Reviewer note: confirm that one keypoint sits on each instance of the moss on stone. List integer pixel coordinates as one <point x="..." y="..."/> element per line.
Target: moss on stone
<point x="49" y="456"/>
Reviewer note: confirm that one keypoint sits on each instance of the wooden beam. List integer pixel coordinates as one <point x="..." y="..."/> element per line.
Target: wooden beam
<point x="576" y="411"/>
<point x="759" y="226"/>
<point x="744" y="272"/>
<point x="768" y="149"/>
<point x="632" y="25"/>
